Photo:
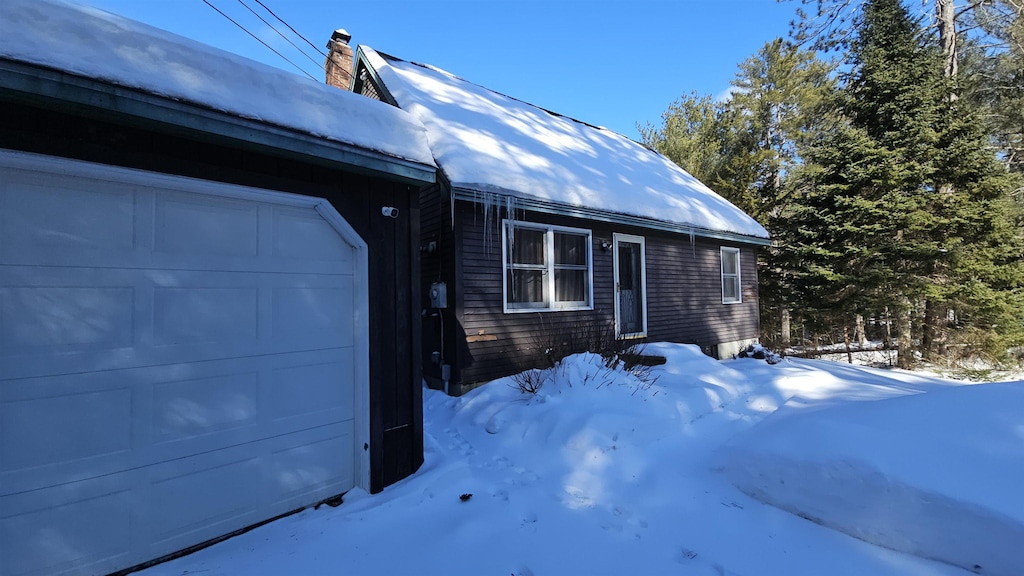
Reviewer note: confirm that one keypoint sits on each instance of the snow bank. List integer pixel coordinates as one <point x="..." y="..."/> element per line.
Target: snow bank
<point x="96" y="44"/>
<point x="938" y="474"/>
<point x="489" y="142"/>
<point x="598" y="473"/>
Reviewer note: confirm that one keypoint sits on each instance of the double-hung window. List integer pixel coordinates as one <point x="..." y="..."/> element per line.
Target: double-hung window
<point x="731" y="276"/>
<point x="546" y="267"/>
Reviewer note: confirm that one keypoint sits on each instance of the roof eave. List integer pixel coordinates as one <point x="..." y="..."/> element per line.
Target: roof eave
<point x="560" y="209"/>
<point x="52" y="88"/>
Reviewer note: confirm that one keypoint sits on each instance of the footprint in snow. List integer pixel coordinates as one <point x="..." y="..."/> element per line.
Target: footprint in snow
<point x="692" y="558"/>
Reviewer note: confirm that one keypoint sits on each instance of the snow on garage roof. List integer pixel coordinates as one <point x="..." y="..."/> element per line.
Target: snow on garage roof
<point x="489" y="142"/>
<point x="96" y="44"/>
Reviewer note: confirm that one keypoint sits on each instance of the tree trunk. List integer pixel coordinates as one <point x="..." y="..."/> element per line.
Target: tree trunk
<point x="786" y="335"/>
<point x="905" y="354"/>
<point x="858" y="334"/>
<point x="929" y="329"/>
<point x="846" y="341"/>
<point x="887" y="342"/>
<point x="945" y="13"/>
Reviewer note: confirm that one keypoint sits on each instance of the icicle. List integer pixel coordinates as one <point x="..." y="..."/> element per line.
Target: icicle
<point x="488" y="205"/>
<point x="451" y="205"/>
<point x="693" y="249"/>
<point x="510" y="238"/>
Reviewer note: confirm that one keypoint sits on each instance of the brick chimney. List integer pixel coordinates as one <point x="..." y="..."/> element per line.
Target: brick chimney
<point x="339" y="60"/>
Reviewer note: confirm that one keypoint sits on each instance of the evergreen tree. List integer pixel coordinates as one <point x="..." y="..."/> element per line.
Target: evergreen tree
<point x="777" y="104"/>
<point x="906" y="207"/>
<point x="693" y="135"/>
<point x="995" y="79"/>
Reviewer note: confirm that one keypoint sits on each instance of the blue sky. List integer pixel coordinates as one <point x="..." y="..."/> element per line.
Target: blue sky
<point x="611" y="63"/>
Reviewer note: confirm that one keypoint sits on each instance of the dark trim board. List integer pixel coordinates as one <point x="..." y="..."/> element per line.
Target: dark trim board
<point x="396" y="426"/>
<point x="482" y="343"/>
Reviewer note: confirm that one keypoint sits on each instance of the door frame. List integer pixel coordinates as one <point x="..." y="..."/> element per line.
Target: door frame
<point x="630" y="239"/>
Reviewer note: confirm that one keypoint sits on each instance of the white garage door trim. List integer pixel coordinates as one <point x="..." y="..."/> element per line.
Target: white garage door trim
<point x="62" y="166"/>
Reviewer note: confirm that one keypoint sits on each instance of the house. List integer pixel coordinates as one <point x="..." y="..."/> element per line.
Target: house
<point x="209" y="291"/>
<point x="544" y="230"/>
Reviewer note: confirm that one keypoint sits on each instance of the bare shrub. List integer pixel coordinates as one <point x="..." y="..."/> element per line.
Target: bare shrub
<point x="640" y="365"/>
<point x="529" y="381"/>
<point x="551" y="344"/>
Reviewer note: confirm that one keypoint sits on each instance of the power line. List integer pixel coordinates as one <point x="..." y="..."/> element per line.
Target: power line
<point x="279" y="33"/>
<point x="297" y="67"/>
<point x="290" y="28"/>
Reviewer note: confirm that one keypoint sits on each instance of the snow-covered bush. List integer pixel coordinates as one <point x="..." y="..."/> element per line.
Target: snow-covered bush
<point x="759" y="352"/>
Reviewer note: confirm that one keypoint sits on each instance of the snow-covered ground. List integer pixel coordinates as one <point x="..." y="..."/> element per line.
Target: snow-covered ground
<point x="602" y="473"/>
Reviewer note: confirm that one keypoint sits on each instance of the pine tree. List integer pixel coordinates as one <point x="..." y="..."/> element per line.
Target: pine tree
<point x="746" y="147"/>
<point x="775" y="107"/>
<point x="693" y="135"/>
<point x="906" y="208"/>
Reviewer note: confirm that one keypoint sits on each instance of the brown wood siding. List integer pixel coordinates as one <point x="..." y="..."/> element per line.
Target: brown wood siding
<point x="685" y="292"/>
<point x="684" y="295"/>
<point x="396" y="425"/>
<point x="437" y="265"/>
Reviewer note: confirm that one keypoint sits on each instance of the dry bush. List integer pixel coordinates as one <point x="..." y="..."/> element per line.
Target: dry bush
<point x="529" y="381"/>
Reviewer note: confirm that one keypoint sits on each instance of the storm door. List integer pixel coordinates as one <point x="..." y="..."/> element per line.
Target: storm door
<point x="630" y="286"/>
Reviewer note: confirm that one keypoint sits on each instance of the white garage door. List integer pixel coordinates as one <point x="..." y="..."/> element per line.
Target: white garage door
<point x="178" y="360"/>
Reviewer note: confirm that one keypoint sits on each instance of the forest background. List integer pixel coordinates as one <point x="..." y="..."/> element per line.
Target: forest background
<point x="882" y="145"/>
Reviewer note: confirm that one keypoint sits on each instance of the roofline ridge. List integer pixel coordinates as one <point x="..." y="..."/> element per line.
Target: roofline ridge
<point x="550" y="112"/>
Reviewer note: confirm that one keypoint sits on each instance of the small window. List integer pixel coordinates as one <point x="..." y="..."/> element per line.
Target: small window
<point x="546" y="268"/>
<point x="731" y="276"/>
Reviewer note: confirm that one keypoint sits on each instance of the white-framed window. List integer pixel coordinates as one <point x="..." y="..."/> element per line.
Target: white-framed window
<point x="546" y="267"/>
<point x="731" y="276"/>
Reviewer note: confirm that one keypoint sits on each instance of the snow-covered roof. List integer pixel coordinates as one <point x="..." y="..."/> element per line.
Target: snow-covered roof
<point x="89" y="42"/>
<point x="489" y="142"/>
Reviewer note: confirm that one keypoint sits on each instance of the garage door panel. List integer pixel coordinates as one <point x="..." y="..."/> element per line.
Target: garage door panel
<point x="68" y="527"/>
<point x="301" y="473"/>
<point x="72" y="427"/>
<point x="188" y="408"/>
<point x="209" y="493"/>
<point x="43" y="217"/>
<point x="199" y="315"/>
<point x="205" y="228"/>
<point x="88" y="222"/>
<point x="313" y="314"/>
<point x="61" y="320"/>
<point x="33" y="317"/>
<point x="306" y="391"/>
<point x="301" y="235"/>
<point x="239" y="485"/>
<point x="51" y="430"/>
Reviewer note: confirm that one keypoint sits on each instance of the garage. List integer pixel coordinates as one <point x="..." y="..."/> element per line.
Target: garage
<point x="178" y="359"/>
<point x="209" y="292"/>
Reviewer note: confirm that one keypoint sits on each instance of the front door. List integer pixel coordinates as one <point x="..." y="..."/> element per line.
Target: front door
<point x="630" y="287"/>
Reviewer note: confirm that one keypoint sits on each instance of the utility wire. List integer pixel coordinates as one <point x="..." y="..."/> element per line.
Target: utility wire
<point x="290" y="28"/>
<point x="297" y="67"/>
<point x="279" y="33"/>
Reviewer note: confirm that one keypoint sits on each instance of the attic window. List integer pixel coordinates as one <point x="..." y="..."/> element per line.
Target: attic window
<point x="547" y="268"/>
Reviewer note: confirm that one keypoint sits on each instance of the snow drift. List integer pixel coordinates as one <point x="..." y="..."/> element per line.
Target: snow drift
<point x="600" y="472"/>
<point x="938" y="474"/>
